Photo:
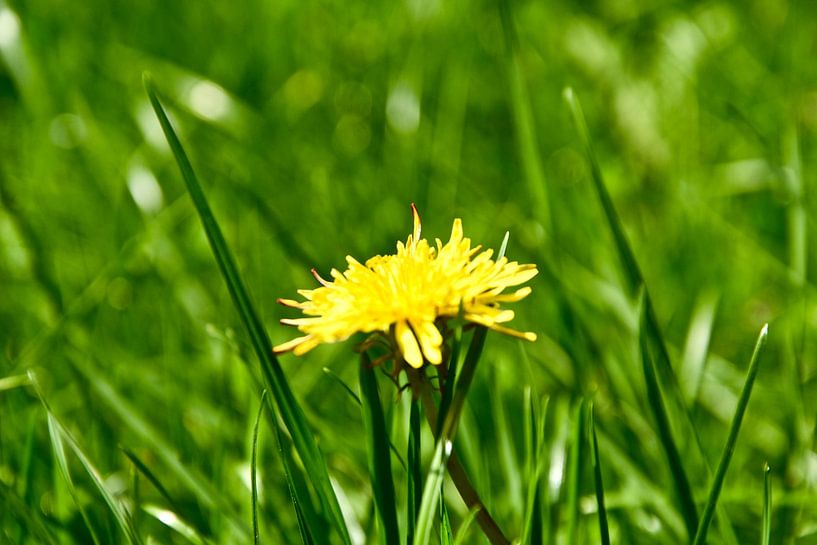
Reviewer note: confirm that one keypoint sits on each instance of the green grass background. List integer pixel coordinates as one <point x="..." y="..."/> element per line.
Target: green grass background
<point x="313" y="125"/>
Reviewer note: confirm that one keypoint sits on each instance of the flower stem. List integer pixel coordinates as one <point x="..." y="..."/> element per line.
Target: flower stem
<point x="469" y="495"/>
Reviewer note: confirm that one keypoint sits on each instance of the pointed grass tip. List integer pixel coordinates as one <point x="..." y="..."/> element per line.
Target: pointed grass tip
<point x="147" y="81"/>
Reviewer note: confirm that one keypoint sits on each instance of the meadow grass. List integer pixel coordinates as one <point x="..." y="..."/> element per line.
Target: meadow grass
<point x="652" y="158"/>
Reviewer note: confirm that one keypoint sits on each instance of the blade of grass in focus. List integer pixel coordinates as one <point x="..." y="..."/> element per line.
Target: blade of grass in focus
<point x="378" y="451"/>
<point x="290" y="411"/>
<point x="532" y="530"/>
<point x="656" y="366"/>
<point x="656" y="402"/>
<point x="604" y="530"/>
<point x="446" y="533"/>
<point x="310" y="523"/>
<point x="574" y="472"/>
<point x="729" y="447"/>
<point x="415" y="474"/>
<point x="256" y="535"/>
<point x="766" y="533"/>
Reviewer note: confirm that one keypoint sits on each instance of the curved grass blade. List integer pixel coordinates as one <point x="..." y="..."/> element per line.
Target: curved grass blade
<point x="290" y="411"/>
<point x="61" y="436"/>
<point x="446" y="534"/>
<point x="574" y="474"/>
<point x="766" y="534"/>
<point x="58" y="449"/>
<point x="145" y="470"/>
<point x="415" y="475"/>
<point x="604" y="529"/>
<point x="462" y="531"/>
<point x="203" y="489"/>
<point x="729" y="447"/>
<point x="172" y="521"/>
<point x="309" y="522"/>
<point x="379" y="458"/>
<point x="532" y="527"/>
<point x="656" y="402"/>
<point x="635" y="282"/>
<point x="256" y="535"/>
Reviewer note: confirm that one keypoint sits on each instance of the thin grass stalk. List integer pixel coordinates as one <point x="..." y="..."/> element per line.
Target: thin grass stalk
<point x="532" y="523"/>
<point x="256" y="534"/>
<point x="379" y="459"/>
<point x="604" y="530"/>
<point x="415" y="476"/>
<point x="145" y="471"/>
<point x="656" y="403"/>
<point x="62" y="463"/>
<point x="291" y="412"/>
<point x="574" y="473"/>
<point x="766" y="533"/>
<point x="636" y="284"/>
<point x="309" y="522"/>
<point x="731" y="440"/>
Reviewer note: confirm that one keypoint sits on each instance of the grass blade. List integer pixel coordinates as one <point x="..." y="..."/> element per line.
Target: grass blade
<point x="61" y="436"/>
<point x="415" y="475"/>
<point x="574" y="473"/>
<point x="656" y="403"/>
<point x="446" y="534"/>
<point x="256" y="535"/>
<point x="58" y="449"/>
<point x="766" y="534"/>
<point x="635" y="283"/>
<point x="290" y="411"/>
<point x="172" y="521"/>
<point x="203" y="489"/>
<point x="462" y="531"/>
<point x="309" y="522"/>
<point x="379" y="458"/>
<point x="148" y="474"/>
<point x="532" y="527"/>
<point x="729" y="447"/>
<point x="604" y="529"/>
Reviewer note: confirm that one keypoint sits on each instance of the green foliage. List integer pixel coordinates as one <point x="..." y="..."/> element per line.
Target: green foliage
<point x="689" y="178"/>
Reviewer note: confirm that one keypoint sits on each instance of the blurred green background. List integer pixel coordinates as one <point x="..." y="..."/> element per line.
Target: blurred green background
<point x="313" y="125"/>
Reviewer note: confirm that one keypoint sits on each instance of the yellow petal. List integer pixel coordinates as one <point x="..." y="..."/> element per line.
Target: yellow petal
<point x="430" y="341"/>
<point x="290" y="345"/>
<point x="408" y="345"/>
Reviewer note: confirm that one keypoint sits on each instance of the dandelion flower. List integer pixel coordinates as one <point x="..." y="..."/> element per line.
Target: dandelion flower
<point x="408" y="296"/>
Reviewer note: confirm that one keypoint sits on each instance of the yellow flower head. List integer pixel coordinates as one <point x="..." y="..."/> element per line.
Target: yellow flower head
<point x="409" y="294"/>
